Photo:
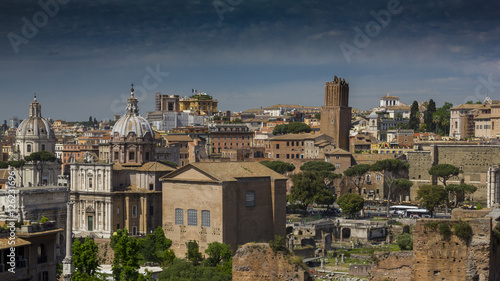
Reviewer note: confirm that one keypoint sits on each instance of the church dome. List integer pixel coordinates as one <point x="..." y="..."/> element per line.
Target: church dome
<point x="35" y="125"/>
<point x="373" y="115"/>
<point x="132" y="121"/>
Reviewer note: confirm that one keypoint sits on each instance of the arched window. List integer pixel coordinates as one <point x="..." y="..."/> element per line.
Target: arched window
<point x="250" y="198"/>
<point x="368" y="178"/>
<point x="90" y="182"/>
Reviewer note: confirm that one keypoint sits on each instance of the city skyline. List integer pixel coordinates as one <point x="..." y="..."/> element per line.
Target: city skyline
<point x="81" y="57"/>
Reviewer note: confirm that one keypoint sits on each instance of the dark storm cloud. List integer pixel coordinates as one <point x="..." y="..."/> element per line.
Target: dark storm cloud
<point x="259" y="48"/>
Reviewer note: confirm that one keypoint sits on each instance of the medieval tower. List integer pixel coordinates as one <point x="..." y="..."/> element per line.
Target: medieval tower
<point x="336" y="114"/>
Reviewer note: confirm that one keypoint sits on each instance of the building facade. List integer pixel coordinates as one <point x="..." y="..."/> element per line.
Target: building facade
<point x="336" y="113"/>
<point x="232" y="203"/>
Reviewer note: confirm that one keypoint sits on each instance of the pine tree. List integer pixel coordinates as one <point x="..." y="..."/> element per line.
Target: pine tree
<point x="414" y="123"/>
<point x="428" y="116"/>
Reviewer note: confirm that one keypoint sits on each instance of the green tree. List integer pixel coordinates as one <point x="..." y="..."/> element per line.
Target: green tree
<point x="220" y="256"/>
<point x="444" y="172"/>
<point x="19" y="165"/>
<point x="391" y="169"/>
<point x="85" y="260"/>
<point x="469" y="102"/>
<point x="459" y="191"/>
<point x="292" y="128"/>
<point x="405" y="241"/>
<point x="441" y="119"/>
<point x="126" y="261"/>
<point x="431" y="108"/>
<point x="402" y="186"/>
<point x="317" y="116"/>
<point x="356" y="174"/>
<point x="169" y="163"/>
<point x="317" y="166"/>
<point x="155" y="247"/>
<point x="40" y="160"/>
<point x="278" y="166"/>
<point x="193" y="252"/>
<point x="278" y="244"/>
<point x="351" y="203"/>
<point x="182" y="270"/>
<point x="432" y="196"/>
<point x="309" y="187"/>
<point x="414" y="122"/>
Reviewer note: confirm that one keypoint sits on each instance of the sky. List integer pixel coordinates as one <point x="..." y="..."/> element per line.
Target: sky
<point x="80" y="57"/>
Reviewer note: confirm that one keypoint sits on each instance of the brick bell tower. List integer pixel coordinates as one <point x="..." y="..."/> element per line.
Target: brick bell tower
<point x="336" y="113"/>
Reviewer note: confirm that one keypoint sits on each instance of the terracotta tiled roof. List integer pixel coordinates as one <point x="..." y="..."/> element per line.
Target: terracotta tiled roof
<point x="155" y="167"/>
<point x="229" y="171"/>
<point x="176" y="138"/>
<point x="483" y="116"/>
<point x="296" y="137"/>
<point x="339" y="151"/>
<point x="4" y="243"/>
<point x="4" y="174"/>
<point x="468" y="106"/>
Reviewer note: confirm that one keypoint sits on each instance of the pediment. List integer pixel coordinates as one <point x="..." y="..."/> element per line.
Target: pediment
<point x="89" y="209"/>
<point x="193" y="174"/>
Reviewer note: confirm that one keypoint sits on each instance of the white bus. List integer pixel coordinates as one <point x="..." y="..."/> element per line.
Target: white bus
<point x="400" y="209"/>
<point x="418" y="213"/>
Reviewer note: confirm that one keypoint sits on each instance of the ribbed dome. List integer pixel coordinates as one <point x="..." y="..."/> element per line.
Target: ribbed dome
<point x="373" y="115"/>
<point x="132" y="121"/>
<point x="35" y="125"/>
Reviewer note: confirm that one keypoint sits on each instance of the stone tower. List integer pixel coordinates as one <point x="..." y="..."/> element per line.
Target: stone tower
<point x="336" y="113"/>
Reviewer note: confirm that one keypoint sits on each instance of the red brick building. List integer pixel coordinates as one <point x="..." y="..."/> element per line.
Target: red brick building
<point x="229" y="136"/>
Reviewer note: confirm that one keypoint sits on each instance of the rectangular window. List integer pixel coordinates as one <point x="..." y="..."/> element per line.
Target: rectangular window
<point x="134" y="211"/>
<point x="192" y="217"/>
<point x="151" y="186"/>
<point x="151" y="210"/>
<point x="131" y="156"/>
<point x="116" y="155"/>
<point x="337" y="165"/>
<point x="277" y="156"/>
<point x="379" y="177"/>
<point x="134" y="230"/>
<point x="179" y="216"/>
<point x="278" y="146"/>
<point x="205" y="218"/>
<point x="90" y="223"/>
<point x="117" y="211"/>
<point x="288" y="156"/>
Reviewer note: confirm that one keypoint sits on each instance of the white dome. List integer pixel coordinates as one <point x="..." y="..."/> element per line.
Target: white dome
<point x="132" y="121"/>
<point x="373" y="115"/>
<point x="35" y="125"/>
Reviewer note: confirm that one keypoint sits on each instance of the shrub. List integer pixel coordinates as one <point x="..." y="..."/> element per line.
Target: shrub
<point x="463" y="230"/>
<point x="478" y="207"/>
<point x="405" y="241"/>
<point x="445" y="231"/>
<point x="44" y="219"/>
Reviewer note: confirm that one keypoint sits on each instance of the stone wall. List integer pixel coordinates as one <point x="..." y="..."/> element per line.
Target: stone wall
<point x="452" y="259"/>
<point x="360" y="269"/>
<point x="395" y="266"/>
<point x="474" y="160"/>
<point x="257" y="261"/>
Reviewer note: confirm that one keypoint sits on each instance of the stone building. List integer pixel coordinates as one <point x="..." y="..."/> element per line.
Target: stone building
<point x="336" y="113"/>
<point x="299" y="146"/>
<point x="125" y="193"/>
<point x="35" y="134"/>
<point x="232" y="202"/>
<point x="473" y="160"/>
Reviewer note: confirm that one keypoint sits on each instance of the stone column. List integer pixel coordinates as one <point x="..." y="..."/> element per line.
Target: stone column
<point x="67" y="262"/>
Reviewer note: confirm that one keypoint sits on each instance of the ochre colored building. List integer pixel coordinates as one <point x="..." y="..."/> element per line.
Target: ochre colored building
<point x="231" y="202"/>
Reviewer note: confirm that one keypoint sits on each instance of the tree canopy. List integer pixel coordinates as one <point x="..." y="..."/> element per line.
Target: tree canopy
<point x="278" y="166"/>
<point x="85" y="259"/>
<point x="220" y="256"/>
<point x="309" y="187"/>
<point x="317" y="166"/>
<point x="444" y="171"/>
<point x="182" y="270"/>
<point x="391" y="169"/>
<point x="356" y="175"/>
<point x="460" y="190"/>
<point x="414" y="122"/>
<point x="428" y="119"/>
<point x="402" y="186"/>
<point x="351" y="203"/>
<point x="193" y="252"/>
<point x="155" y="247"/>
<point x="432" y="196"/>
<point x="291" y="128"/>
<point x="126" y="261"/>
<point x="40" y="159"/>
